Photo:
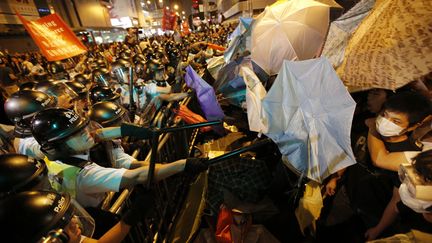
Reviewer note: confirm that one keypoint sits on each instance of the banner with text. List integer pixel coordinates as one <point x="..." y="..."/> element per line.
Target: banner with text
<point x="169" y="20"/>
<point x="54" y="38"/>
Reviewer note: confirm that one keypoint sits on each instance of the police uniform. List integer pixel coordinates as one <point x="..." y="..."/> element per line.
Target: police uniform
<point x="87" y="183"/>
<point x="30" y="147"/>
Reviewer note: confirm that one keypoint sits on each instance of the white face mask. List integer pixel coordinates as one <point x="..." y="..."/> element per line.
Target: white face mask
<point x="387" y="128"/>
<point x="415" y="204"/>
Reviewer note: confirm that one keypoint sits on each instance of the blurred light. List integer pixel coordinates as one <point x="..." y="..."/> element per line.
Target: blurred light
<point x="184" y="17"/>
<point x="160" y="1"/>
<point x="167" y="7"/>
<point x="148" y="2"/>
<point x="177" y="13"/>
<point x="176" y="7"/>
<point x="183" y="12"/>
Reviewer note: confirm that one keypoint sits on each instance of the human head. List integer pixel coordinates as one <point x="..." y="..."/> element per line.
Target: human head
<point x="34" y="216"/>
<point x="21" y="173"/>
<point x="61" y="133"/>
<point x="63" y="93"/>
<point x="416" y="188"/>
<point x="108" y="114"/>
<point x="403" y="112"/>
<point x="21" y="106"/>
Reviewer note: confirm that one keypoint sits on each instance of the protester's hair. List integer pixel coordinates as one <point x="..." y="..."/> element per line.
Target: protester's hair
<point x="423" y="165"/>
<point x="416" y="106"/>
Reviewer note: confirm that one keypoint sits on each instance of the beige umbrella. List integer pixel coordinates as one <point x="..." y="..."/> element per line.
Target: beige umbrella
<point x="391" y="47"/>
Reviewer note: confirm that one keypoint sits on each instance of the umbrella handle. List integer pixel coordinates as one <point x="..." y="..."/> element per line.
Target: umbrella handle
<point x="239" y="151"/>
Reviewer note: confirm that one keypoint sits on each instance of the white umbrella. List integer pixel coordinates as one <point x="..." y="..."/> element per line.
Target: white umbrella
<point x="293" y="30"/>
<point x="309" y="112"/>
<point x="255" y="92"/>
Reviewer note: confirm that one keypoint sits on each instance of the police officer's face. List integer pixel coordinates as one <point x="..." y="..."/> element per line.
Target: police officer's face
<point x="81" y="142"/>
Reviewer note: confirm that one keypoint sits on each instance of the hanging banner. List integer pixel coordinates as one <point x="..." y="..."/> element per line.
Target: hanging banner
<point x="169" y="20"/>
<point x="53" y="37"/>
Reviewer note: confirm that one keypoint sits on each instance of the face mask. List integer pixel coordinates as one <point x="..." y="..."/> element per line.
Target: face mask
<point x="420" y="206"/>
<point x="387" y="128"/>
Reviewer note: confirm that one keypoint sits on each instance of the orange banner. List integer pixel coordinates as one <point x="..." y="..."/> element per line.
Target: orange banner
<point x="53" y="37"/>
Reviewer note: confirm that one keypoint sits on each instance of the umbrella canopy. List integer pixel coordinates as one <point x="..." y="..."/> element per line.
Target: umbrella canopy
<point x="255" y="92"/>
<point x="214" y="64"/>
<point x="205" y="94"/>
<point x="391" y="47"/>
<point x="293" y="30"/>
<point x="309" y="112"/>
<point x="239" y="39"/>
<point x="341" y="30"/>
<point x="234" y="91"/>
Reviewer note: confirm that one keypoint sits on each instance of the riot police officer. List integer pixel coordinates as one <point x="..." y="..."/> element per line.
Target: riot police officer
<point x="20" y="109"/>
<point x="66" y="138"/>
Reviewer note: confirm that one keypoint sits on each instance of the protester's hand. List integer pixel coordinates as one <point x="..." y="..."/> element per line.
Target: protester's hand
<point x="331" y="187"/>
<point x="372" y="233"/>
<point x="142" y="207"/>
<point x="195" y="165"/>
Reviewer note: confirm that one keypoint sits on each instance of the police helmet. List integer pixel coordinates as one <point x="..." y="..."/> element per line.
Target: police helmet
<point x="20" y="173"/>
<point x="103" y="93"/>
<point x="34" y="216"/>
<point x="52" y="127"/>
<point x="56" y="67"/>
<point x="78" y="88"/>
<point x="101" y="76"/>
<point x="28" y="85"/>
<point x="21" y="106"/>
<point x="120" y="69"/>
<point x="108" y="114"/>
<point x="81" y="78"/>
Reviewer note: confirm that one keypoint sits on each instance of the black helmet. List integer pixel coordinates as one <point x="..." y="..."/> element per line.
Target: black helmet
<point x="101" y="76"/>
<point x="78" y="88"/>
<point x="52" y="127"/>
<point x="138" y="58"/>
<point x="120" y="69"/>
<point x="55" y="88"/>
<point x="21" y="106"/>
<point x="101" y="63"/>
<point x="34" y="215"/>
<point x="107" y="113"/>
<point x="125" y="55"/>
<point x="28" y="85"/>
<point x="20" y="173"/>
<point x="103" y="93"/>
<point x="56" y="67"/>
<point x="81" y="78"/>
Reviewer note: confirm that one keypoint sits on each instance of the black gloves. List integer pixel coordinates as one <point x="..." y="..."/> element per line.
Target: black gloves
<point x="195" y="165"/>
<point x="143" y="205"/>
<point x="131" y="130"/>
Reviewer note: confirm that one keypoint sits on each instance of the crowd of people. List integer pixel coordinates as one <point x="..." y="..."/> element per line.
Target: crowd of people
<point x="69" y="123"/>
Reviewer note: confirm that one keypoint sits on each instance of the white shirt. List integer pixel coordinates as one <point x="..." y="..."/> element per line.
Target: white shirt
<point x="30" y="147"/>
<point x="94" y="181"/>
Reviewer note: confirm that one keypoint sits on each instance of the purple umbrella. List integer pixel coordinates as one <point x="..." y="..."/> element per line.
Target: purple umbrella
<point x="205" y="94"/>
